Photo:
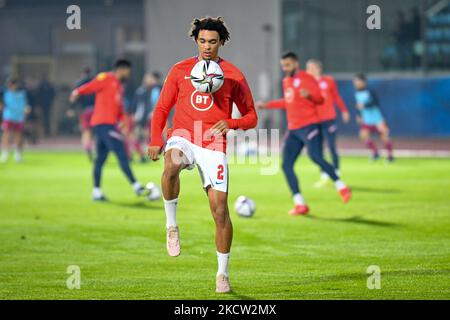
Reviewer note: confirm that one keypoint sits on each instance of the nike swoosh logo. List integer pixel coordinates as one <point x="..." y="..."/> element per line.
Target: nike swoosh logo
<point x="217" y="183"/>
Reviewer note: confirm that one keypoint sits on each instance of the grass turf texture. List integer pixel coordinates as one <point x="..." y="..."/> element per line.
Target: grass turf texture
<point x="399" y="220"/>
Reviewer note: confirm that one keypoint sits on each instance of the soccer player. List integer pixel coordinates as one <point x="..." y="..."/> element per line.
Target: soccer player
<point x="198" y="136"/>
<point x="327" y="113"/>
<point x="86" y="103"/>
<point x="145" y="100"/>
<point x="14" y="103"/>
<point x="131" y="141"/>
<point x="302" y="96"/>
<point x="371" y="118"/>
<point x="108" y="111"/>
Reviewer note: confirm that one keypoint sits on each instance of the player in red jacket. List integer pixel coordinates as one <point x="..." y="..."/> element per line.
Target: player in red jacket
<point x="327" y="113"/>
<point x="108" y="112"/>
<point x="198" y="136"/>
<point x="302" y="95"/>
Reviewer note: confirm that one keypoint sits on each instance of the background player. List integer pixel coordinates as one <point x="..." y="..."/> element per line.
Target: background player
<point x="86" y="104"/>
<point x="207" y="147"/>
<point x="132" y="143"/>
<point x="371" y="118"/>
<point x="145" y="99"/>
<point x="327" y="113"/>
<point x="14" y="103"/>
<point x="108" y="111"/>
<point x="301" y="97"/>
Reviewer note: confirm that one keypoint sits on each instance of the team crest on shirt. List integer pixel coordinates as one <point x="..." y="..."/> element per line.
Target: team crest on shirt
<point x="323" y="85"/>
<point x="297" y="82"/>
<point x="289" y="95"/>
<point x="202" y="101"/>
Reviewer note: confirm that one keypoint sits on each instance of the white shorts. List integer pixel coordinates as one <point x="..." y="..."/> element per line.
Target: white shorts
<point x="212" y="165"/>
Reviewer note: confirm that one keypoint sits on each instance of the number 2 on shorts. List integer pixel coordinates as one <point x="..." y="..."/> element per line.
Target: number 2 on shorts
<point x="220" y="170"/>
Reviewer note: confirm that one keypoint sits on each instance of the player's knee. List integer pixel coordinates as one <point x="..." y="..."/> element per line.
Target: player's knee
<point x="171" y="170"/>
<point x="363" y="135"/>
<point x="220" y="214"/>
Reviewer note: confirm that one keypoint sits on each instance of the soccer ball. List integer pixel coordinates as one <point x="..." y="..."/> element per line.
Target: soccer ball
<point x="207" y="76"/>
<point x="154" y="192"/>
<point x="245" y="207"/>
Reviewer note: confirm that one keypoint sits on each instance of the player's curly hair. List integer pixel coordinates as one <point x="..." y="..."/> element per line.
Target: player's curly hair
<point x="212" y="24"/>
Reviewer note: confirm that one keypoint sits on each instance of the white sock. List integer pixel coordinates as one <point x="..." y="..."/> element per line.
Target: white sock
<point x="97" y="192"/>
<point x="298" y="199"/>
<point x="170" y="207"/>
<point x="339" y="185"/>
<point x="222" y="259"/>
<point x="324" y="176"/>
<point x="136" y="186"/>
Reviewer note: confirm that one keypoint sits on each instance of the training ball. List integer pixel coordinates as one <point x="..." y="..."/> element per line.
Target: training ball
<point x="207" y="76"/>
<point x="245" y="207"/>
<point x="154" y="191"/>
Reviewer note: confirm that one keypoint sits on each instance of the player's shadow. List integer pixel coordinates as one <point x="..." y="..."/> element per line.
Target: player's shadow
<point x="240" y="296"/>
<point x="357" y="220"/>
<point x="375" y="190"/>
<point x="136" y="205"/>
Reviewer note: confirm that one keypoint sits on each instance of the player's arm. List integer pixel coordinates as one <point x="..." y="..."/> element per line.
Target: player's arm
<point x="242" y="97"/>
<point x="311" y="90"/>
<point x="93" y="86"/>
<point x="272" y="104"/>
<point x="337" y="99"/>
<point x="166" y="101"/>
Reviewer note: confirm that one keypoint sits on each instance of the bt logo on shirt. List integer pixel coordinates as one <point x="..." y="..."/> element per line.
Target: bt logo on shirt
<point x="201" y="101"/>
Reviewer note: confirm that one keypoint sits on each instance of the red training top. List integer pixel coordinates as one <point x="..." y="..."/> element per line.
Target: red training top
<point x="196" y="112"/>
<point x="108" y="108"/>
<point x="300" y="111"/>
<point x="332" y="97"/>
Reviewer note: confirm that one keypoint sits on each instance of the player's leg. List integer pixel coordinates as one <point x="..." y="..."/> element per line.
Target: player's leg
<point x="19" y="142"/>
<point x="86" y="134"/>
<point x="177" y="157"/>
<point x="329" y="134"/>
<point x="313" y="139"/>
<point x="213" y="168"/>
<point x="134" y="141"/>
<point x="102" y="151"/>
<point x="218" y="202"/>
<point x="86" y="142"/>
<point x="291" y="150"/>
<point x="384" y="135"/>
<point x="331" y="137"/>
<point x="116" y="142"/>
<point x="365" y="136"/>
<point x="5" y="142"/>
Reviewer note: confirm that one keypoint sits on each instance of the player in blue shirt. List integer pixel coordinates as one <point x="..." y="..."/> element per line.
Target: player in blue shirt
<point x="14" y="104"/>
<point x="371" y="118"/>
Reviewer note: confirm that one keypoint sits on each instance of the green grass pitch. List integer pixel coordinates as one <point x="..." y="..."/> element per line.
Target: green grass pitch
<point x="399" y="220"/>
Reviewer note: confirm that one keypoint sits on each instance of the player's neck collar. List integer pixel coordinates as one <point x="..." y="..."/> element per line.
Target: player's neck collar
<point x="219" y="59"/>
